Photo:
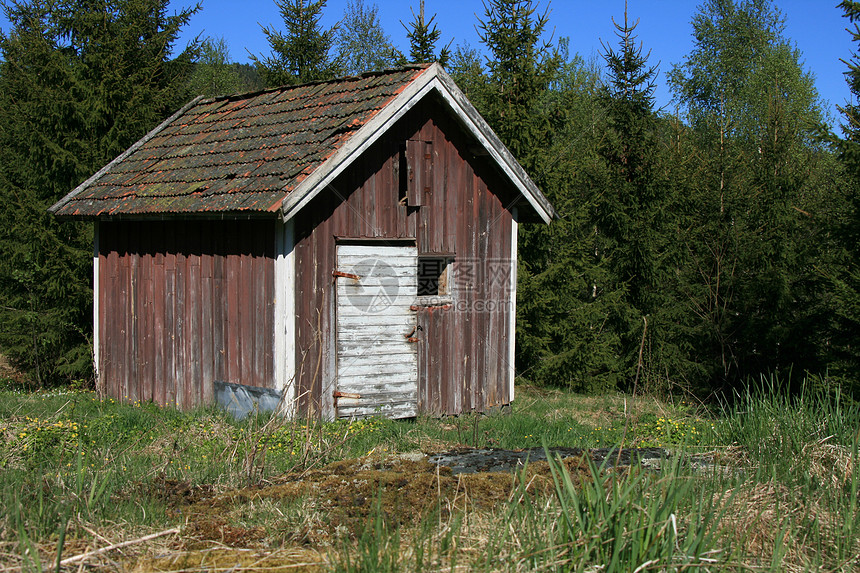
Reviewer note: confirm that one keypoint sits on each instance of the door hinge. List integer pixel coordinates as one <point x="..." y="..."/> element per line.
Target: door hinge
<point x="337" y="274"/>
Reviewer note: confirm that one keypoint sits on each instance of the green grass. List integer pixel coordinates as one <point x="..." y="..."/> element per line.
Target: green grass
<point x="781" y="494"/>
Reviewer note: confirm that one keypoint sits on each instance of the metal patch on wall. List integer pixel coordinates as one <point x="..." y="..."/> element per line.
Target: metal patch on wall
<point x="240" y="400"/>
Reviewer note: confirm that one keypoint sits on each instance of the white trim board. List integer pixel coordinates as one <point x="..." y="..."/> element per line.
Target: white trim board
<point x="96" y="294"/>
<point x="285" y="315"/>
<point x="512" y="318"/>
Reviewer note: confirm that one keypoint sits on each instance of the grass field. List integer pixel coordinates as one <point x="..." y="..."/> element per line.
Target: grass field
<point x="199" y="491"/>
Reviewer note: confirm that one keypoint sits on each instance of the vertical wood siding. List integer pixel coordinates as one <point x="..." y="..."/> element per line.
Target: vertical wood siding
<point x="183" y="304"/>
<point x="462" y="351"/>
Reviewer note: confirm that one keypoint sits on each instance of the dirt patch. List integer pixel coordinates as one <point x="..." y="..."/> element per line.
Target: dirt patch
<point x="235" y="560"/>
<point x="400" y="489"/>
<point x="217" y="529"/>
<point x="306" y="514"/>
<point x="176" y="493"/>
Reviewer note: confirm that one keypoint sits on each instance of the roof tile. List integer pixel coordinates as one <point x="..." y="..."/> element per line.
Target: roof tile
<point x="239" y="153"/>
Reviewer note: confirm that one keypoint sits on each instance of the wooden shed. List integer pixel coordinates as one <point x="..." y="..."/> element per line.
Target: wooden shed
<point x="350" y="243"/>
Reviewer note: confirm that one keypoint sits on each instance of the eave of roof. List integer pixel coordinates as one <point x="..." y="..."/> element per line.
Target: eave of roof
<point x="236" y="154"/>
<point x="183" y="189"/>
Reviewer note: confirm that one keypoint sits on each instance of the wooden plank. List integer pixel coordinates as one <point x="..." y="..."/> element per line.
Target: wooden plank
<point x="482" y="335"/>
<point x="245" y="342"/>
<point x="362" y="381"/>
<point x="146" y="380"/>
<point x="179" y="321"/>
<point x="268" y="348"/>
<point x="133" y="329"/>
<point x="328" y="379"/>
<point x="262" y="335"/>
<point x="379" y="314"/>
<point x="158" y="318"/>
<point x="415" y="173"/>
<point x="232" y="332"/>
<point x="219" y="309"/>
<point x="96" y="290"/>
<point x="207" y="327"/>
<point x="365" y="360"/>
<point x="366" y="332"/>
<point x="404" y="409"/>
<point x="353" y="348"/>
<point x="114" y="329"/>
<point x="379" y="393"/>
<point x="362" y="251"/>
<point x="512" y="308"/>
<point x="304" y="323"/>
<point x="194" y="312"/>
<point x="285" y="340"/>
<point x="370" y="223"/>
<point x="169" y="390"/>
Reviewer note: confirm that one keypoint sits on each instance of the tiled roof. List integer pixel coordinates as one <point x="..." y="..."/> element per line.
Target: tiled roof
<point x="236" y="154"/>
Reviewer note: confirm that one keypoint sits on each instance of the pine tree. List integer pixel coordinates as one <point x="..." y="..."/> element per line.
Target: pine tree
<point x="79" y="83"/>
<point x="303" y="52"/>
<point x="423" y="35"/>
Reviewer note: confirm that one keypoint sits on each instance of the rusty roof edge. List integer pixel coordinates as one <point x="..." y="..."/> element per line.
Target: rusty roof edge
<point x="366" y="135"/>
<point x="65" y="200"/>
<point x="477" y="125"/>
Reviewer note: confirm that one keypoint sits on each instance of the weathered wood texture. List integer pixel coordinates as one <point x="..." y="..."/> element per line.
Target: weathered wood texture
<point x="462" y="349"/>
<point x="377" y="358"/>
<point x="183" y="304"/>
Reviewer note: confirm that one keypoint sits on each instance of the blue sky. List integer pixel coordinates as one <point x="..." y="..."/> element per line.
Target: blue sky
<point x="815" y="26"/>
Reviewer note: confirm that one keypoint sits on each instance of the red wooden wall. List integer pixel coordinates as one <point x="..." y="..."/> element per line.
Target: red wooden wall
<point x="463" y="353"/>
<point x="184" y="303"/>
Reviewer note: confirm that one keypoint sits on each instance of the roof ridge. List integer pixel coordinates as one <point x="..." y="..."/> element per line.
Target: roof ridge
<point x="286" y="87"/>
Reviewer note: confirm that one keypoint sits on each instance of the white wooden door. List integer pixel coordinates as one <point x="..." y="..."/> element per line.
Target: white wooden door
<point x="377" y="357"/>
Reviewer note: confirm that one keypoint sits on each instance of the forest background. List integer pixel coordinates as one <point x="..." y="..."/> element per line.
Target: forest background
<point x="695" y="250"/>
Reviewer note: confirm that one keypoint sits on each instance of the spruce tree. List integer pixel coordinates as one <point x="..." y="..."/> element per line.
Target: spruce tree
<point x="632" y="222"/>
<point x="423" y="35"/>
<point x="845" y="274"/>
<point x="520" y="67"/>
<point x="303" y="53"/>
<point x="79" y="83"/>
<point x="631" y="201"/>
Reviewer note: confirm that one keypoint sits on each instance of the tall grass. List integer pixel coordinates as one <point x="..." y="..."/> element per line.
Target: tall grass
<point x="634" y="519"/>
<point x="780" y="429"/>
<point x="780" y="491"/>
